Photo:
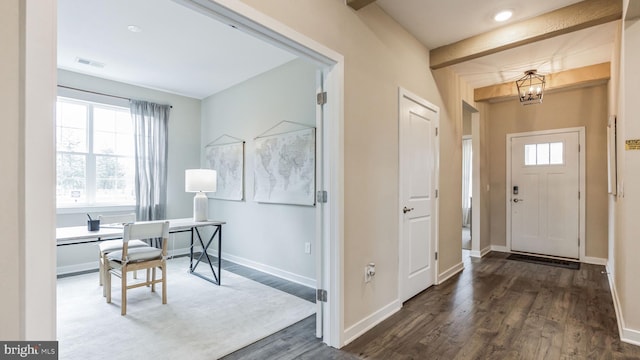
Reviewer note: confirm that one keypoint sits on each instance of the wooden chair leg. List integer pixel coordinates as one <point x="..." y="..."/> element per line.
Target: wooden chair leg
<point x="107" y="286"/>
<point x="123" y="305"/>
<point x="101" y="272"/>
<point x="153" y="279"/>
<point x="164" y="282"/>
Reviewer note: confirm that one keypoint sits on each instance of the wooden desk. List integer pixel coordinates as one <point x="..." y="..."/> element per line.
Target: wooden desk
<point x="80" y="235"/>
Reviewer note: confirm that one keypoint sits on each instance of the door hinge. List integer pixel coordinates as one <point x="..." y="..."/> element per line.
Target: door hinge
<point x="321" y="196"/>
<point x="436" y="131"/>
<point x="578" y="242"/>
<point x="578" y="147"/>
<point x="578" y="194"/>
<point x="436" y="193"/>
<point x="321" y="98"/>
<point x="321" y="295"/>
<point x="436" y="255"/>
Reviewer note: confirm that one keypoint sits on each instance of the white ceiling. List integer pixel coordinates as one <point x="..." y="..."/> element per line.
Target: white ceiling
<point x="437" y="22"/>
<point x="184" y="52"/>
<point x="441" y="22"/>
<point x="178" y="51"/>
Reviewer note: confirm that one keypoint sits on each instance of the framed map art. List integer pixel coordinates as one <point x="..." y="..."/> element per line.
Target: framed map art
<point x="228" y="161"/>
<point x="284" y="168"/>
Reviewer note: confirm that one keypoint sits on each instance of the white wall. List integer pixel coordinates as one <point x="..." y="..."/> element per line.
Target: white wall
<point x="11" y="181"/>
<point x="626" y="247"/>
<point x="27" y="78"/>
<point x="270" y="237"/>
<point x="184" y="153"/>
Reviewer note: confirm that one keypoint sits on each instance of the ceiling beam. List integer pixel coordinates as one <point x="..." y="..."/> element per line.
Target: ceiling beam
<point x="570" y="78"/>
<point x="359" y="4"/>
<point x="575" y="17"/>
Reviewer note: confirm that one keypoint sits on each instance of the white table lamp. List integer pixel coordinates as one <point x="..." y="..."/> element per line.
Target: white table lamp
<point x="200" y="181"/>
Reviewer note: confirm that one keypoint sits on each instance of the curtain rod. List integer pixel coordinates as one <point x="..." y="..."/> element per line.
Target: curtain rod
<point x="98" y="93"/>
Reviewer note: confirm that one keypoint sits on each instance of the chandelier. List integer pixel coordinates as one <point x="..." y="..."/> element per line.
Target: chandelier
<point x="530" y="88"/>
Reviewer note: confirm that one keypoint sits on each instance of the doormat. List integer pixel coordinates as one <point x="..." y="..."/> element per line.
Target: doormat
<point x="545" y="261"/>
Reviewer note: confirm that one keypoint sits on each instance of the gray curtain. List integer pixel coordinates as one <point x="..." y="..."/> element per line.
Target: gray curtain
<point x="151" y="123"/>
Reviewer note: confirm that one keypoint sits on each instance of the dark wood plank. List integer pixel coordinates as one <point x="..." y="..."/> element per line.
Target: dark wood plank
<point x="495" y="309"/>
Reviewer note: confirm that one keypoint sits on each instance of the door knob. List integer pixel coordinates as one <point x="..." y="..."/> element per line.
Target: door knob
<point x="406" y="209"/>
<point x="517" y="200"/>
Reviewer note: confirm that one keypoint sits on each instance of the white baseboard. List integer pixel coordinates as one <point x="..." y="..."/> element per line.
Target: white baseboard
<point x="366" y="324"/>
<point x="630" y="336"/>
<point x="444" y="276"/>
<point x="485" y="251"/>
<point x="594" y="260"/>
<point x="178" y="252"/>
<point x="627" y="335"/>
<point x="77" y="268"/>
<point x="481" y="253"/>
<point x="93" y="265"/>
<point x="616" y="301"/>
<point x="303" y="280"/>
<point x="500" y="248"/>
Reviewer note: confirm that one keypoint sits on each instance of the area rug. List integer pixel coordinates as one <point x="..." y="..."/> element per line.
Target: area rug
<point x="200" y="321"/>
<point x="545" y="261"/>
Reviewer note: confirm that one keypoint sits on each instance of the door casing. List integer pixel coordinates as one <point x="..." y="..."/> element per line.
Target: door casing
<point x="581" y="185"/>
<point x="404" y="94"/>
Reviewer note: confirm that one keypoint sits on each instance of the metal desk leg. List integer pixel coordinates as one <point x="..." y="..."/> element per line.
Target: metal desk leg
<point x="192" y="268"/>
<point x="219" y="254"/>
<point x="191" y="253"/>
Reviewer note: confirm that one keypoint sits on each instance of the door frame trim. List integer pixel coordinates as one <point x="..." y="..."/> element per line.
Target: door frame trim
<point x="403" y="93"/>
<point x="331" y="243"/>
<point x="581" y="182"/>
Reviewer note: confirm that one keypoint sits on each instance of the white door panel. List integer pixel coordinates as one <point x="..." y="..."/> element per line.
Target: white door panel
<point x="417" y="204"/>
<point x="545" y="211"/>
<point x="419" y="263"/>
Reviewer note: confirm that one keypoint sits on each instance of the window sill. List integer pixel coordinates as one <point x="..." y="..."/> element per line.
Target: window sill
<point x="94" y="209"/>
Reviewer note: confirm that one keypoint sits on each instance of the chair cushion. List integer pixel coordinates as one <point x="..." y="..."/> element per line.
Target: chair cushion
<point x="137" y="254"/>
<point x="113" y="245"/>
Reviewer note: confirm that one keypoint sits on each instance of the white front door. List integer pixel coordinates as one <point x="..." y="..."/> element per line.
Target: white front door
<point x="418" y="173"/>
<point x="544" y="194"/>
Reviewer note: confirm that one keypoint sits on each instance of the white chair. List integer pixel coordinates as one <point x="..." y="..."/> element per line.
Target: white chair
<point x="120" y="262"/>
<point x="108" y="246"/>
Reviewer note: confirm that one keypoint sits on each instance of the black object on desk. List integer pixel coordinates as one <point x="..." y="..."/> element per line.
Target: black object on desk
<point x="93" y="225"/>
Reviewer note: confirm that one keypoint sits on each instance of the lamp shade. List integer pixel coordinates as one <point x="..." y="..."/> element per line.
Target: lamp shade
<point x="200" y="180"/>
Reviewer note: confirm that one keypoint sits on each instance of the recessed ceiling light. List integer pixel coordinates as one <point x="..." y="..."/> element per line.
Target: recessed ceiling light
<point x="134" y="28"/>
<point x="503" y="15"/>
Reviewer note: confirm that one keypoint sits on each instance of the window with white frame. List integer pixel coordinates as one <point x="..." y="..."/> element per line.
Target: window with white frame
<point x="544" y="154"/>
<point x="94" y="154"/>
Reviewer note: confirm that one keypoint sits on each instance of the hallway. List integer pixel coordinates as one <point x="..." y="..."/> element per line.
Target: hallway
<point x="495" y="309"/>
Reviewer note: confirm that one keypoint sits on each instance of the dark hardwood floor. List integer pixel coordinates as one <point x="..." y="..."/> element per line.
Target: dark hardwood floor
<point x="495" y="309"/>
<point x="301" y="291"/>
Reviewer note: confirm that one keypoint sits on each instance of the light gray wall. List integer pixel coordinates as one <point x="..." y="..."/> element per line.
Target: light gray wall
<point x="270" y="237"/>
<point x="184" y="153"/>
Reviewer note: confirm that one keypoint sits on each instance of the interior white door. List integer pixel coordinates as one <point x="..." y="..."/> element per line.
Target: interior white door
<point x="545" y="188"/>
<point x="418" y="170"/>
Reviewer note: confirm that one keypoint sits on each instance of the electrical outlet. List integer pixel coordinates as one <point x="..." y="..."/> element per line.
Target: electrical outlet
<point x="369" y="272"/>
<point x="307" y="248"/>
